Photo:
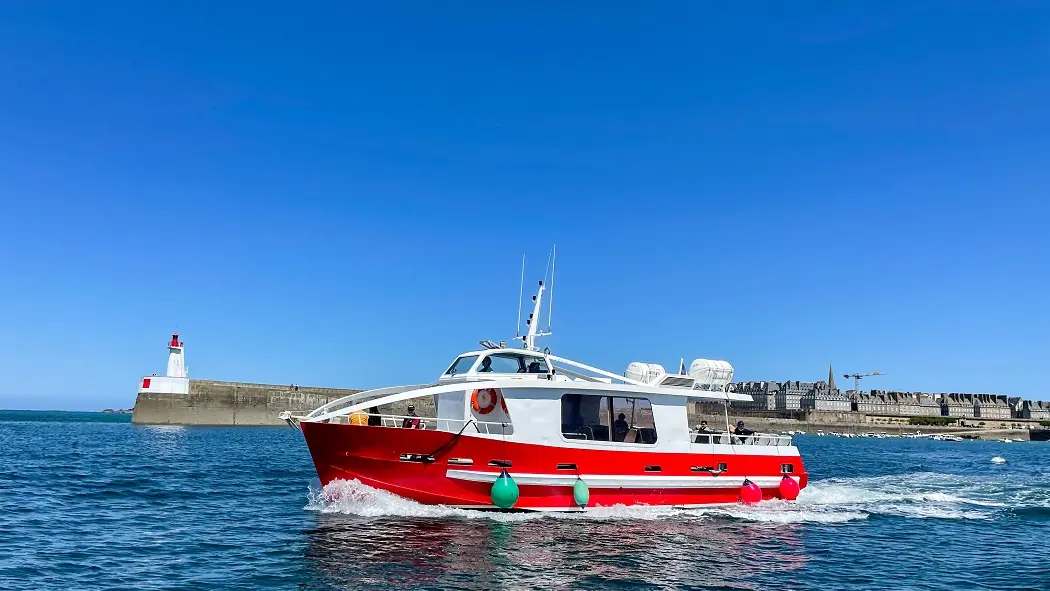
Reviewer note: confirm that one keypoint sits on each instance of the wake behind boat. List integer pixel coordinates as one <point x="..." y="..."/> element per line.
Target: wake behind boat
<point x="522" y="428"/>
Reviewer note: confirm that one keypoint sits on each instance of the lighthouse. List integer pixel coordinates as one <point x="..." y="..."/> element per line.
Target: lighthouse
<point x="176" y="380"/>
<point x="176" y="361"/>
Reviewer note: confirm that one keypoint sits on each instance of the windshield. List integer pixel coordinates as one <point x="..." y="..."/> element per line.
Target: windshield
<point x="461" y="365"/>
<point x="512" y="363"/>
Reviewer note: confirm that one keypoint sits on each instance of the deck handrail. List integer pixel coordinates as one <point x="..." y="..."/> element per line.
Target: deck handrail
<point x="728" y="438"/>
<point x="486" y="427"/>
<point x="362" y="395"/>
<point x="439" y="424"/>
<point x="494" y="428"/>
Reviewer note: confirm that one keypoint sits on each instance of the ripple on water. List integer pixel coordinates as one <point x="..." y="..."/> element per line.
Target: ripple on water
<point x="919" y="495"/>
<point x="115" y="506"/>
<point x="354" y="498"/>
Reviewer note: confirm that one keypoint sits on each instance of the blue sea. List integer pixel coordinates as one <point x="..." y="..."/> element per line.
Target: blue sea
<point x="89" y="501"/>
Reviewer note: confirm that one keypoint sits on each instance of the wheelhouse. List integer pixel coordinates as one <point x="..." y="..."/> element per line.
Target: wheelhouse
<point x="497" y="362"/>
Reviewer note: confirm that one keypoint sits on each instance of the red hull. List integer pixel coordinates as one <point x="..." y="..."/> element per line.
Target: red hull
<point x="373" y="456"/>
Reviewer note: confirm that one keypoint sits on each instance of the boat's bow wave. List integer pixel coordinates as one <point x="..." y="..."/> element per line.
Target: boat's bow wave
<point x="351" y="497"/>
<point x="924" y="495"/>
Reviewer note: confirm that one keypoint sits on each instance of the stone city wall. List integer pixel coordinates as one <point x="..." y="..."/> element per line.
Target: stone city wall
<point x="235" y="403"/>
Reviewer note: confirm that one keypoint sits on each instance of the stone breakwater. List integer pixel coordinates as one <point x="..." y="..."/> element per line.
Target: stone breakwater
<point x="212" y="402"/>
<point x="855" y="423"/>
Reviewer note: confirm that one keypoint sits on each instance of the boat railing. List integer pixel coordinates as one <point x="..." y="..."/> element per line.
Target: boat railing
<point x="358" y="397"/>
<point x="399" y="421"/>
<point x="432" y="423"/>
<point x="728" y="438"/>
<point x="458" y="425"/>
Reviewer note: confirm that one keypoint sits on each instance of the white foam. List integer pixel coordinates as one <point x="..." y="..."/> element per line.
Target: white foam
<point x="783" y="512"/>
<point x="932" y="511"/>
<point x="921" y="495"/>
<point x="351" y="497"/>
<point x="998" y="460"/>
<point x="354" y="498"/>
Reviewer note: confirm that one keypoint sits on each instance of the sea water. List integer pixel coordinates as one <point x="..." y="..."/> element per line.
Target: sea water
<point x="92" y="502"/>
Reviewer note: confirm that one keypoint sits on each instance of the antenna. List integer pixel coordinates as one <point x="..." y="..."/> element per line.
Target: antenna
<point x="548" y="269"/>
<point x="550" y="310"/>
<point x="521" y="288"/>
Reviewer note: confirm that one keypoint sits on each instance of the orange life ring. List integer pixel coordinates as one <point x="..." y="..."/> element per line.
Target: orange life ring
<point x="488" y="399"/>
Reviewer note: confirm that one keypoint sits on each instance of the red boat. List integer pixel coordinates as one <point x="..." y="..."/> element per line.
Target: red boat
<point x="524" y="429"/>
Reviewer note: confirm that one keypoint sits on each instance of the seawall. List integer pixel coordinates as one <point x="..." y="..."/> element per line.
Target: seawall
<point x="855" y="423"/>
<point x="236" y="403"/>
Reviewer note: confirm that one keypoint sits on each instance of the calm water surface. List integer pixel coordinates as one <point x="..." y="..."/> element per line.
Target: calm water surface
<point x="92" y="502"/>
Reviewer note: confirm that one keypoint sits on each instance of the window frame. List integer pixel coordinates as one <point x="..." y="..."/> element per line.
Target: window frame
<point x="607" y="442"/>
<point x="456" y="362"/>
<point x="510" y="357"/>
<point x="523" y="364"/>
<point x="632" y="425"/>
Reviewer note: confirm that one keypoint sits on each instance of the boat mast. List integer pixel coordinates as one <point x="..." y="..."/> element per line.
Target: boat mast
<point x="534" y="321"/>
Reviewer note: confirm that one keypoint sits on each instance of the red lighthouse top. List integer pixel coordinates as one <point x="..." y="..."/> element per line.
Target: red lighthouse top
<point x="175" y="342"/>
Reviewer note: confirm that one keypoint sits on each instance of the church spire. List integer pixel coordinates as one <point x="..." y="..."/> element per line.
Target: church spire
<point x="831" y="377"/>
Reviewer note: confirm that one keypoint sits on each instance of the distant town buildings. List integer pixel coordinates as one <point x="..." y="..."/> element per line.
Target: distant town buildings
<point x="825" y="396"/>
<point x="991" y="406"/>
<point x="763" y="395"/>
<point x="1036" y="410"/>
<point x="794" y="395"/>
<point x="789" y="395"/>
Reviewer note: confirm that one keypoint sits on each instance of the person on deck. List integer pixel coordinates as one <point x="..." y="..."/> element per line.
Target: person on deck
<point x="702" y="433"/>
<point x="741" y="432"/>
<point x="486" y="364"/>
<point x="620" y="428"/>
<point x="412" y="420"/>
<point x="374" y="420"/>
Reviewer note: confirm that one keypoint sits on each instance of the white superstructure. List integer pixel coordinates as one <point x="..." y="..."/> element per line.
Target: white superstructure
<point x="532" y="386"/>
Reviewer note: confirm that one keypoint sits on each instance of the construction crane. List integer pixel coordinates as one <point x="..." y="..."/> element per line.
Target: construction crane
<point x="857" y="376"/>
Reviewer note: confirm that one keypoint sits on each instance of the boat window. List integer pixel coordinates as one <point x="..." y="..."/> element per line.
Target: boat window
<point x="536" y="365"/>
<point x="634" y="421"/>
<point x="604" y="418"/>
<point x="462" y="365"/>
<point x="501" y="363"/>
<point x="512" y="363"/>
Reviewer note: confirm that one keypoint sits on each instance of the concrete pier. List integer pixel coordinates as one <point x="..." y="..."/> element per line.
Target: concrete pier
<point x="235" y="403"/>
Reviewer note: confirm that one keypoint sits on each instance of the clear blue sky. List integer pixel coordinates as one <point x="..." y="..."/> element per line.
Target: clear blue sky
<point x="340" y="193"/>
